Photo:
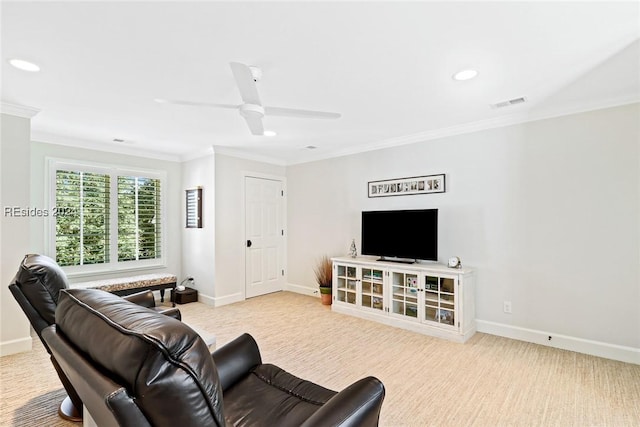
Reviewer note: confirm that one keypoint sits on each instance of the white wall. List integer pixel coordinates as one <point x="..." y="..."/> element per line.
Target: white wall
<point x="230" y="244"/>
<point x="198" y="244"/>
<point x="14" y="231"/>
<point x="174" y="199"/>
<point x="547" y="213"/>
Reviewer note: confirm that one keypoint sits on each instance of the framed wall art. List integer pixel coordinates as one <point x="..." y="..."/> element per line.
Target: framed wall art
<point x="193" y="202"/>
<point x="407" y="186"/>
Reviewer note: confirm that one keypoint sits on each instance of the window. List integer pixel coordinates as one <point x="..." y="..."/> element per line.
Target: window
<point x="82" y="232"/>
<point x="139" y="219"/>
<point x="105" y="217"/>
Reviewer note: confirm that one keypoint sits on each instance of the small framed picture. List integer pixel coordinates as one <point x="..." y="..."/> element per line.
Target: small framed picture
<point x="407" y="186"/>
<point x="193" y="204"/>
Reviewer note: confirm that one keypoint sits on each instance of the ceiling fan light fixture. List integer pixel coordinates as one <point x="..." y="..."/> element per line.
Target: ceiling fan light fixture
<point x="23" y="65"/>
<point x="465" y="74"/>
<point x="269" y="133"/>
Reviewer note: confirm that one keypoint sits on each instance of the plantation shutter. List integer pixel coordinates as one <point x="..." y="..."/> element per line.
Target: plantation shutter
<point x="139" y="221"/>
<point x="82" y="218"/>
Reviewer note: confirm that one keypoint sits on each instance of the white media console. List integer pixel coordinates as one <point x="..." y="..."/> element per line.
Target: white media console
<point x="432" y="299"/>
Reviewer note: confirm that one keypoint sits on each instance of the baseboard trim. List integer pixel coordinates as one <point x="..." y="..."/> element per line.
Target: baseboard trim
<point x="15" y="346"/>
<point x="219" y="301"/>
<point x="206" y="299"/>
<point x="564" y="342"/>
<point x="304" y="290"/>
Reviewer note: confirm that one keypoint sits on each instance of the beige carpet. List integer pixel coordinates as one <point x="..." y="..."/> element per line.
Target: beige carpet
<point x="489" y="381"/>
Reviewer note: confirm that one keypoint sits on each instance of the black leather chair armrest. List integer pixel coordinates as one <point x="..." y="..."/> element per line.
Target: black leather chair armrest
<point x="169" y="311"/>
<point x="144" y="298"/>
<point x="235" y="359"/>
<point x="357" y="405"/>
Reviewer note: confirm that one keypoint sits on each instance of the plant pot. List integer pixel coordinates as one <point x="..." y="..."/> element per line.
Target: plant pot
<point x="325" y="295"/>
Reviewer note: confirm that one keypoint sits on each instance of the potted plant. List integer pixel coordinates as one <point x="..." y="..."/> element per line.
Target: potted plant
<point x="324" y="275"/>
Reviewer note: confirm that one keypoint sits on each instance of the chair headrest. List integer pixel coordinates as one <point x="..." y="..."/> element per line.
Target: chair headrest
<point x="161" y="361"/>
<point x="40" y="279"/>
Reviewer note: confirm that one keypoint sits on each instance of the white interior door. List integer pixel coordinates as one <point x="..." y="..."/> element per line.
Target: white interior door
<point x="264" y="231"/>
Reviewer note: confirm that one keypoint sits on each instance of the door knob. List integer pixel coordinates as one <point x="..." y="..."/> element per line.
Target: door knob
<point x="249" y="243"/>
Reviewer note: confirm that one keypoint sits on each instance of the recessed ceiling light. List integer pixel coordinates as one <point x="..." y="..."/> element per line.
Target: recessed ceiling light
<point x="465" y="75"/>
<point x="269" y="133"/>
<point x="23" y="65"/>
<point x="310" y="147"/>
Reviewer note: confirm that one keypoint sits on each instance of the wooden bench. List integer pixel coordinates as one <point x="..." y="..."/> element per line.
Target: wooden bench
<point x="132" y="284"/>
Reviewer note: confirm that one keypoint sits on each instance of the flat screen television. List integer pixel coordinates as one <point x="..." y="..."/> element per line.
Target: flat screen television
<point x="401" y="235"/>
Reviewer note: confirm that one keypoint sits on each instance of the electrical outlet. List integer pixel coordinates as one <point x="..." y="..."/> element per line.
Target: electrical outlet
<point x="507" y="307"/>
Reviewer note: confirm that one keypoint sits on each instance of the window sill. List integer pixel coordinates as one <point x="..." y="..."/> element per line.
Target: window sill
<point x="111" y="271"/>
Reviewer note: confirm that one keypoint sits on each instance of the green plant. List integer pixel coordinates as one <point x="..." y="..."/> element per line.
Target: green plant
<point x="324" y="272"/>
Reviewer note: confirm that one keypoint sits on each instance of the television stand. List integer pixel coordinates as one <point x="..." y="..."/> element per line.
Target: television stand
<point x="398" y="260"/>
<point x="431" y="299"/>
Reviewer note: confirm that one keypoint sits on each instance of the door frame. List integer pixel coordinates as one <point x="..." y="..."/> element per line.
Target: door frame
<point x="283" y="181"/>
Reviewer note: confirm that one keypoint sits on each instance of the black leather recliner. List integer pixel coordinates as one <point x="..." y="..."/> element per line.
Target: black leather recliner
<point x="35" y="287"/>
<point x="133" y="367"/>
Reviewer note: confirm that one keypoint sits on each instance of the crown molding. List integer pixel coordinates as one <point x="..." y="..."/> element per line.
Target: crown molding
<point x="248" y="155"/>
<point x="534" y="113"/>
<point x="18" y="110"/>
<point x="100" y="146"/>
<point x="198" y="154"/>
<point x="531" y="115"/>
<point x="584" y="107"/>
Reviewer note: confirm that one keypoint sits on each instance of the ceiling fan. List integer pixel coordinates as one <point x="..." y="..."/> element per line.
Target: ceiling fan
<point x="252" y="109"/>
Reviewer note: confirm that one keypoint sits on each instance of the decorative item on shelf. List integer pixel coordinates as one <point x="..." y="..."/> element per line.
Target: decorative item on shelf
<point x="444" y="316"/>
<point x="454" y="262"/>
<point x="324" y="276"/>
<point x="353" y="251"/>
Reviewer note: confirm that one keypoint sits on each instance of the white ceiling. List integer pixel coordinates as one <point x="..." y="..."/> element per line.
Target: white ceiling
<point x="386" y="66"/>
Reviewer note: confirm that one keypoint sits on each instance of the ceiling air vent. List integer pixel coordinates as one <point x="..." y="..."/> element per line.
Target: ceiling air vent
<point x="509" y="103"/>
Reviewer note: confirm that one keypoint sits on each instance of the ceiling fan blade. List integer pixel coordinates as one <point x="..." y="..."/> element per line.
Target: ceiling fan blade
<point x="293" y="112"/>
<point x="255" y="125"/>
<point x="245" y="82"/>
<point x="194" y="104"/>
